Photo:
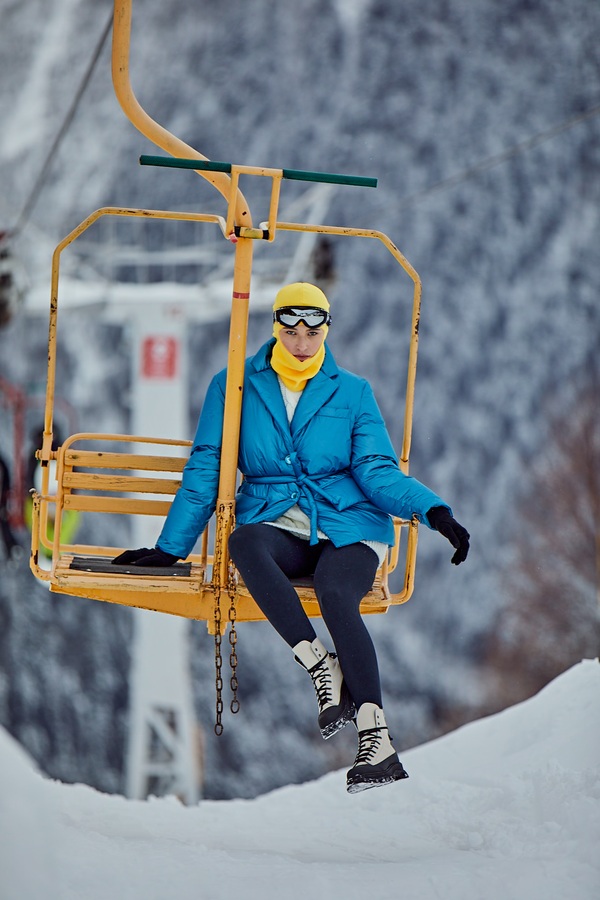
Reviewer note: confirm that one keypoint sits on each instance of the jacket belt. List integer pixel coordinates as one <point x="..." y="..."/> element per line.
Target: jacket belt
<point x="307" y="487"/>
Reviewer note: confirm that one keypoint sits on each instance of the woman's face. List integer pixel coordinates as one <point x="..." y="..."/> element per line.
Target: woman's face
<point x="302" y="342"/>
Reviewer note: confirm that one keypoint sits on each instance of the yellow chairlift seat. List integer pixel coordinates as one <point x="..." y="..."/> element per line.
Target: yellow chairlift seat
<point x="137" y="479"/>
<point x="92" y="477"/>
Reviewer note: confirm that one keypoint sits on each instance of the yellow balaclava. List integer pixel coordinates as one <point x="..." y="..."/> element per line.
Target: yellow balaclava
<point x="293" y="373"/>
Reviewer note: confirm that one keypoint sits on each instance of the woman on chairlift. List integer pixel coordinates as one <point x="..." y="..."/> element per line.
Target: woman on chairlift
<point x="321" y="482"/>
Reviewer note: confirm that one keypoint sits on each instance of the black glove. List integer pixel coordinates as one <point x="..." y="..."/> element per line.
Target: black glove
<point x="439" y="518"/>
<point x="145" y="557"/>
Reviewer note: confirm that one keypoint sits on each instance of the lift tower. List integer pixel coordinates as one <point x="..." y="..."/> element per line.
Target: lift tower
<point x="163" y="752"/>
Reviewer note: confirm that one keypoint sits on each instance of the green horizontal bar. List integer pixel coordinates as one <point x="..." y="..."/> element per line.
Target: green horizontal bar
<point x="329" y="178"/>
<point x="209" y="165"/>
<point x="171" y="162"/>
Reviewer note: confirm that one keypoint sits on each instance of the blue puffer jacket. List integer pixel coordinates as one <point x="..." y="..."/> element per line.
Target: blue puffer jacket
<point x="335" y="460"/>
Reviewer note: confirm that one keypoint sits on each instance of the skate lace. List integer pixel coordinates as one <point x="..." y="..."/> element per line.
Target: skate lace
<point x="369" y="742"/>
<point x="322" y="681"/>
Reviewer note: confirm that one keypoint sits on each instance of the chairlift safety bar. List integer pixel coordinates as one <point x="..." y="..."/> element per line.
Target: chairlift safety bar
<point x="291" y="174"/>
<point x="234" y="228"/>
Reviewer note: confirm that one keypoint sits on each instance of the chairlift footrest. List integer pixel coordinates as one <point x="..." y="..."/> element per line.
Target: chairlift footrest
<point x="104" y="565"/>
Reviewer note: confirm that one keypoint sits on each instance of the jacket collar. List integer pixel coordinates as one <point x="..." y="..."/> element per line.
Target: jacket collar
<point x="264" y="379"/>
<point x="316" y="393"/>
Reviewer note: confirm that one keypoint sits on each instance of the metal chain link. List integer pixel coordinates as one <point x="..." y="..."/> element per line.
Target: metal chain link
<point x="233" y="660"/>
<point x="218" y="652"/>
<point x="218" y="667"/>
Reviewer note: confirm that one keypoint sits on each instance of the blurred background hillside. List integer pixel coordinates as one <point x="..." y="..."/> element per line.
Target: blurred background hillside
<point x="481" y="122"/>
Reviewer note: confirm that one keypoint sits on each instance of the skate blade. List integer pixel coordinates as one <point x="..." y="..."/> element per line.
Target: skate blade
<point x="364" y="784"/>
<point x="334" y="727"/>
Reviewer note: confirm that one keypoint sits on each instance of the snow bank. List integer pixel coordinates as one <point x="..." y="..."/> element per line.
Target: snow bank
<point x="506" y="808"/>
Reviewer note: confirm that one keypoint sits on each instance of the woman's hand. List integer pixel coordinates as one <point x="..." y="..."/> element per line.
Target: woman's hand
<point x="439" y="518"/>
<point x="145" y="557"/>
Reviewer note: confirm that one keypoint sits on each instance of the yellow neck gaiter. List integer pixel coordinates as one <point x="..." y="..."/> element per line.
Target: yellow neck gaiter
<point x="295" y="374"/>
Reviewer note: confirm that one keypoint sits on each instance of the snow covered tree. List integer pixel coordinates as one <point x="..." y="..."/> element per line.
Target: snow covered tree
<point x="552" y="619"/>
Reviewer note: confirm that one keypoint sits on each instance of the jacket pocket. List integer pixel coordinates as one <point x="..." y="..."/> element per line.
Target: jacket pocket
<point x="334" y="412"/>
<point x="249" y="509"/>
<point x="341" y="491"/>
<point x="327" y="442"/>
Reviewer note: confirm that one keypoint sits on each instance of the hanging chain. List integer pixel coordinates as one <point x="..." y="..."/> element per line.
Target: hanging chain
<point x="218" y="639"/>
<point x="218" y="666"/>
<point x="233" y="660"/>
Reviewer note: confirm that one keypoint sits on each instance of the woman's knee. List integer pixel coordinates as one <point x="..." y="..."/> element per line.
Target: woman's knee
<point x="338" y="605"/>
<point x="246" y="539"/>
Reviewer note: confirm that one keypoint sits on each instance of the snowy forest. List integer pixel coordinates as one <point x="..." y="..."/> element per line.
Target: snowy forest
<point x="481" y="122"/>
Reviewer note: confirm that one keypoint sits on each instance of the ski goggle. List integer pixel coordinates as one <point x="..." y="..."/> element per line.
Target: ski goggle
<point x="289" y="316"/>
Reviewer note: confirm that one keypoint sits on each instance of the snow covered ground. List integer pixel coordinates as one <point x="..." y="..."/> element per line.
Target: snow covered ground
<point x="506" y="808"/>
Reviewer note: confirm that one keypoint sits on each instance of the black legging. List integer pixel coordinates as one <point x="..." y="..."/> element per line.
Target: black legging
<point x="267" y="557"/>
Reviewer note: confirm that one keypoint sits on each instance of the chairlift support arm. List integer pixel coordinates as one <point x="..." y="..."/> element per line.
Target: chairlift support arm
<point x="144" y="123"/>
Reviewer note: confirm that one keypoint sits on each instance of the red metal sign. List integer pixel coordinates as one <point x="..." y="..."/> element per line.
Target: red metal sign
<point x="160" y="357"/>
